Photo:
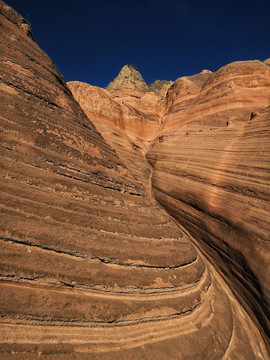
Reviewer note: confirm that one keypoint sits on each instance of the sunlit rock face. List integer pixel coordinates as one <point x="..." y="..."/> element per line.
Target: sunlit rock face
<point x="212" y="176"/>
<point x="121" y="241"/>
<point x="220" y="162"/>
<point x="128" y="76"/>
<point x="210" y="163"/>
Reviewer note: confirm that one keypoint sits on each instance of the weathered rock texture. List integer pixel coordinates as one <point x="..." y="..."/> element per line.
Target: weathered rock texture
<point x="210" y="157"/>
<point x="217" y="185"/>
<point x="92" y="267"/>
<point x="210" y="161"/>
<point x="129" y="75"/>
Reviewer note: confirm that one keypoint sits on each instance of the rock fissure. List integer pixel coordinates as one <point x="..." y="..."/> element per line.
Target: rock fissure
<point x="86" y="257"/>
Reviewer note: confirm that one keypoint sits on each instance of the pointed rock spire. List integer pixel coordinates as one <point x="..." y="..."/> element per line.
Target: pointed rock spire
<point x="128" y="74"/>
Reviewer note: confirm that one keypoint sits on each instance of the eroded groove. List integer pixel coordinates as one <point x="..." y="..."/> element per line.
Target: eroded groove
<point x="131" y="293"/>
<point x="86" y="257"/>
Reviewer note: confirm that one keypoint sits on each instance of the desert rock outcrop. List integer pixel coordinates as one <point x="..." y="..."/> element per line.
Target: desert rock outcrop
<point x="93" y="262"/>
<point x="129" y="74"/>
<point x="209" y="162"/>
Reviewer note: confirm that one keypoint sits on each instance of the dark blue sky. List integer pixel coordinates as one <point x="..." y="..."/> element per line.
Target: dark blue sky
<point x="90" y="40"/>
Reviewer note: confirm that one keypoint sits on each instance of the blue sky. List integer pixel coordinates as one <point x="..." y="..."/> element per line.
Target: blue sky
<point x="91" y="40"/>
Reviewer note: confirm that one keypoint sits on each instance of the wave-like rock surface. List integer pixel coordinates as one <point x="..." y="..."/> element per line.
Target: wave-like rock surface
<point x="92" y="267"/>
<point x="221" y="159"/>
<point x="210" y="171"/>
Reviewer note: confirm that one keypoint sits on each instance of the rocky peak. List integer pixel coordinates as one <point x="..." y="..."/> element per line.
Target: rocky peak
<point x="128" y="74"/>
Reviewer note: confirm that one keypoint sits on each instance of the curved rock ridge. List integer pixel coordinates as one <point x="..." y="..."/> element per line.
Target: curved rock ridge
<point x="217" y="188"/>
<point x="211" y="173"/>
<point x="239" y="85"/>
<point x="92" y="267"/>
<point x="84" y="246"/>
<point x="210" y="169"/>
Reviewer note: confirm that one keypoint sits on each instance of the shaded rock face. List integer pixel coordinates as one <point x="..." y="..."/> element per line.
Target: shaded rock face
<point x="160" y="87"/>
<point x="92" y="266"/>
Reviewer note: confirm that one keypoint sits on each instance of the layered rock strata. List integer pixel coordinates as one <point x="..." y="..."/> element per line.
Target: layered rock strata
<point x="222" y="150"/>
<point x="209" y="158"/>
<point x="91" y="266"/>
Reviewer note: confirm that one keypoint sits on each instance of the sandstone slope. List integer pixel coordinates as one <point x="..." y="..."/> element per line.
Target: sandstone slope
<point x="91" y="266"/>
<point x="89" y="262"/>
<point x="210" y="163"/>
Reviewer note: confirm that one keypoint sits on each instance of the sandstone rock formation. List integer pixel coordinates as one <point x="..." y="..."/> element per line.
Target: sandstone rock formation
<point x="129" y="74"/>
<point x="92" y="266"/>
<point x="219" y="177"/>
<point x="210" y="164"/>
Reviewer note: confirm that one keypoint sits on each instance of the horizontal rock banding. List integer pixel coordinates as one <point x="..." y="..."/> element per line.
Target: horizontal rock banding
<point x="211" y="174"/>
<point x="91" y="265"/>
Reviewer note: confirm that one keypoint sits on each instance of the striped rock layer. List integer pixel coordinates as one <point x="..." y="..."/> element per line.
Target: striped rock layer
<point x="140" y="231"/>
